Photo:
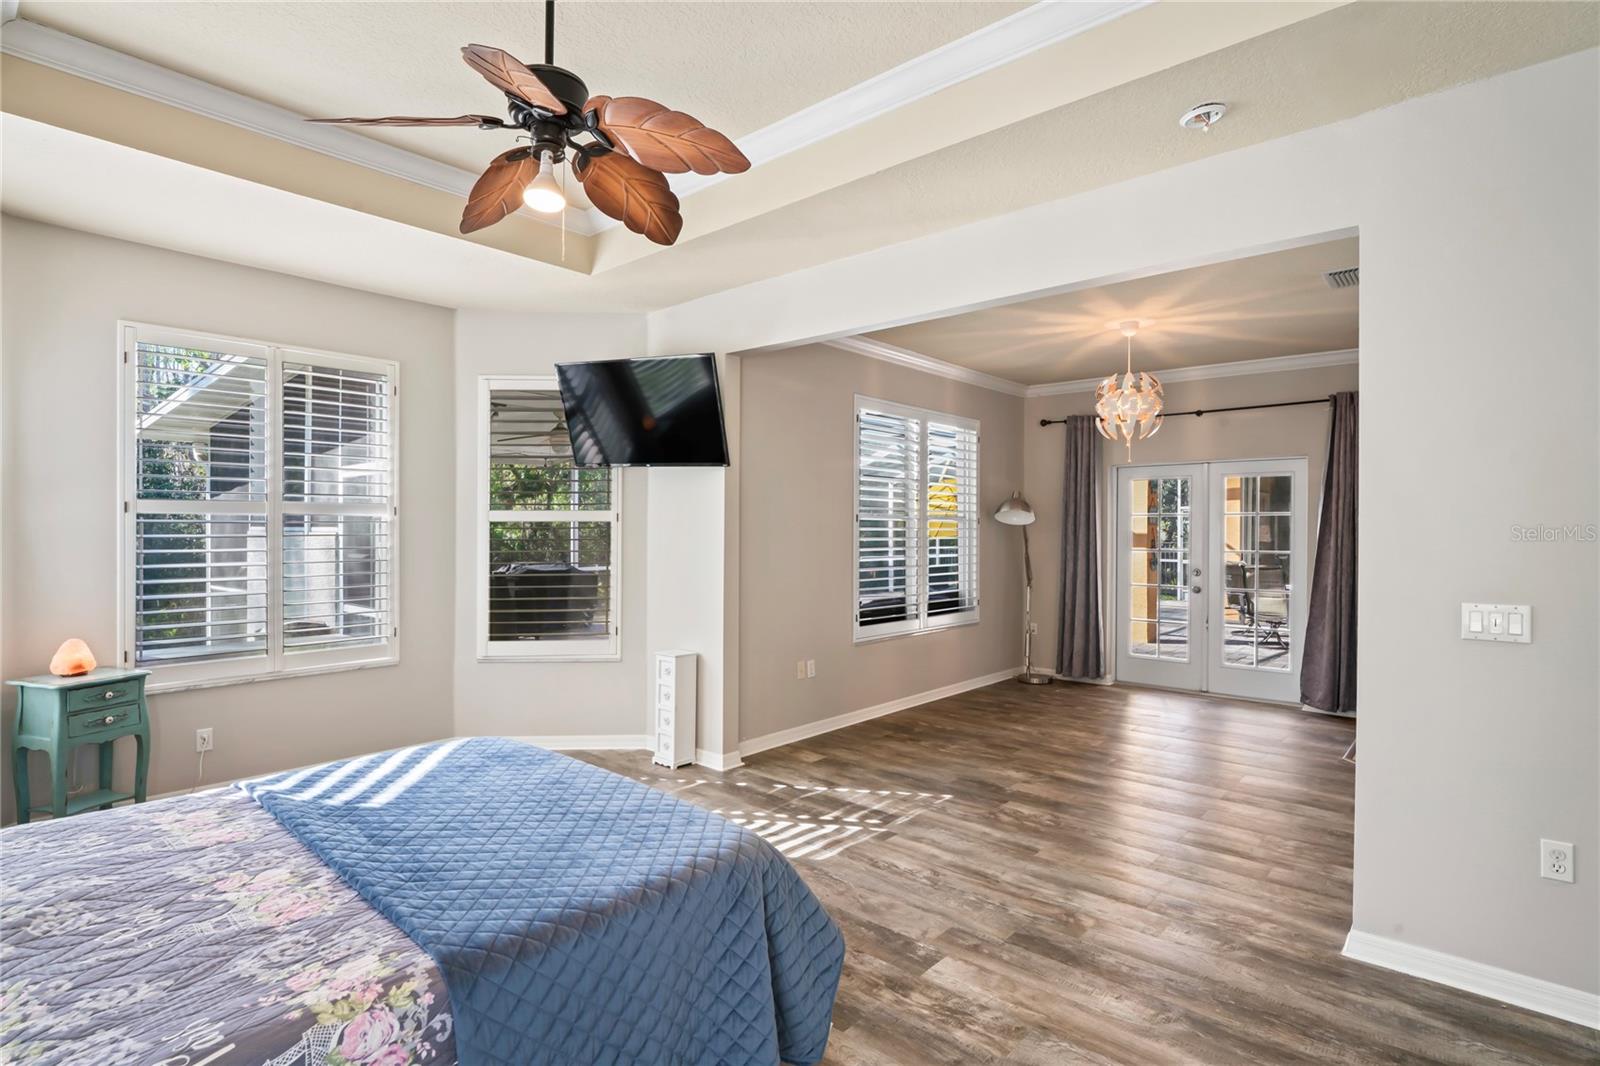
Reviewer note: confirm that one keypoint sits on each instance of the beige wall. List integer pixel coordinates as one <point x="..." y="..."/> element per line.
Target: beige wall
<point x="543" y="700"/>
<point x="63" y="294"/>
<point x="1283" y="433"/>
<point x="796" y="521"/>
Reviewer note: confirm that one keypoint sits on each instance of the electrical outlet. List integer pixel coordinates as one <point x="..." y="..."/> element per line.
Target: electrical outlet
<point x="811" y="668"/>
<point x="799" y="669"/>
<point x="202" y="739"/>
<point x="1555" y="860"/>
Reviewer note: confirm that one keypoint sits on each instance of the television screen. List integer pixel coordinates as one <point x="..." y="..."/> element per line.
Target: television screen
<point x="644" y="412"/>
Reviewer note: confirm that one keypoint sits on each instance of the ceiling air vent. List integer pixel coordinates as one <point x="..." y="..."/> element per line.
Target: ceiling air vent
<point x="1348" y="278"/>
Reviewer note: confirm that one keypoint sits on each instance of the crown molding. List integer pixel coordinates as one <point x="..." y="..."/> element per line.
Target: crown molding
<point x="1038" y="26"/>
<point x="84" y="59"/>
<point x="1242" y="368"/>
<point x="889" y="353"/>
<point x="917" y="361"/>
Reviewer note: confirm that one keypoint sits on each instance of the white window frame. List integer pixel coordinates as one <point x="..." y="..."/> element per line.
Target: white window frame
<point x="861" y="634"/>
<point x="278" y="661"/>
<point x="544" y="651"/>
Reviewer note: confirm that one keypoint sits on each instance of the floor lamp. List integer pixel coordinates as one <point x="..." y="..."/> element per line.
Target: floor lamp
<point x="1016" y="512"/>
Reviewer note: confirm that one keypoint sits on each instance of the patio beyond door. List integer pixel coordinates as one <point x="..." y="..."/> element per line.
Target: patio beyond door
<point x="1211" y="576"/>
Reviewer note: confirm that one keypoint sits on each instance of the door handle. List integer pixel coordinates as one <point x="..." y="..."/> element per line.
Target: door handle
<point x="1194" y="588"/>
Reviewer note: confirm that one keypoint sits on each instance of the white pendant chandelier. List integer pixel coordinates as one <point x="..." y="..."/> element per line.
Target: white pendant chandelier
<point x="1128" y="405"/>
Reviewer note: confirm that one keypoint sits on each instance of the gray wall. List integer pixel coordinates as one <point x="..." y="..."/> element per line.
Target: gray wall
<point x="796" y="527"/>
<point x="1283" y="433"/>
<point x="63" y="294"/>
<point x="591" y="699"/>
<point x="1480" y="261"/>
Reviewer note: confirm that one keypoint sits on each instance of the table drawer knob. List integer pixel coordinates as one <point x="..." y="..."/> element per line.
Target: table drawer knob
<point x="112" y="694"/>
<point x="109" y="719"/>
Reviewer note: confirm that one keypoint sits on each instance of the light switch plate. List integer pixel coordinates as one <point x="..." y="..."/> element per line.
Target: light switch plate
<point x="1509" y="623"/>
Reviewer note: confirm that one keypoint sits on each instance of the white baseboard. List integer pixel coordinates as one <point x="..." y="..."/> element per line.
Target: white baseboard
<point x="718" y="761"/>
<point x="1519" y="990"/>
<point x="865" y="714"/>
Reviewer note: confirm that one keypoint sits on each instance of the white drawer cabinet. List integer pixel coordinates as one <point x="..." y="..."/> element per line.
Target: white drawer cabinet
<point x="672" y="688"/>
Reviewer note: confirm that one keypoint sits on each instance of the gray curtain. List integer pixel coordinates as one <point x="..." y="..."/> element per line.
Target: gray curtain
<point x="1328" y="670"/>
<point x="1081" y="654"/>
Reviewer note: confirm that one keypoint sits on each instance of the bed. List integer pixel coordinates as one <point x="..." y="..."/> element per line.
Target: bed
<point x="476" y="901"/>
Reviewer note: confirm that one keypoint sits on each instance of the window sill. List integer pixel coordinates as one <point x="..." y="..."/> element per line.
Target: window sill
<point x="609" y="657"/>
<point x="938" y="627"/>
<point x="157" y="687"/>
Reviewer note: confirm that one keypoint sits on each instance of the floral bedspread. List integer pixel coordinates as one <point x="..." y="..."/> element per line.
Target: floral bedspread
<point x="196" y="931"/>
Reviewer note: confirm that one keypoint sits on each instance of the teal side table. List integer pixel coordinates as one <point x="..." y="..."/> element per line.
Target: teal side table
<point x="56" y="715"/>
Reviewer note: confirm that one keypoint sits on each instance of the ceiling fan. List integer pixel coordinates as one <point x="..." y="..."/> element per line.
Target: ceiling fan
<point x="620" y="148"/>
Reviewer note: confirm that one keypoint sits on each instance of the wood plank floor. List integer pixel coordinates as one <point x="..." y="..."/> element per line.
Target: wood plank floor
<point x="1104" y="875"/>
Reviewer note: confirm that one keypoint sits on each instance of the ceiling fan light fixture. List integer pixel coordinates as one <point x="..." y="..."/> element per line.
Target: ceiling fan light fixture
<point x="543" y="194"/>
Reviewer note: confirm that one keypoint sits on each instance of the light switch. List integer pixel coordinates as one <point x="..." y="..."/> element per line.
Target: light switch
<point x="1508" y="622"/>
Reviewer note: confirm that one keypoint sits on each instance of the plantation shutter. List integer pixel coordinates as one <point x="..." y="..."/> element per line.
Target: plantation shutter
<point x="336" y="510"/>
<point x="952" y="523"/>
<point x="199" y="507"/>
<point x="260" y="508"/>
<point x="888" y="552"/>
<point x="551" y="537"/>
<point x="916" y="519"/>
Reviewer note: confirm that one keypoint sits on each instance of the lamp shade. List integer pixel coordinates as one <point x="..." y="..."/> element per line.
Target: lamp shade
<point x="1015" y="511"/>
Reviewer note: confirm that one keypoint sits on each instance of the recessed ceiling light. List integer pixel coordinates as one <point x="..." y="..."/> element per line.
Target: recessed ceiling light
<point x="1203" y="116"/>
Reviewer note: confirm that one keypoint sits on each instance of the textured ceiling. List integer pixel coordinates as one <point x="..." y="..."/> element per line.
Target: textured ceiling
<point x="1252" y="308"/>
<point x="735" y="66"/>
<point x="1339" y="64"/>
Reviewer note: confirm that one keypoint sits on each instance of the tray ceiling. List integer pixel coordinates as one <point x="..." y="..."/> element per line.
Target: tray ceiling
<point x="989" y="109"/>
<point x="735" y="66"/>
<point x="1257" y="307"/>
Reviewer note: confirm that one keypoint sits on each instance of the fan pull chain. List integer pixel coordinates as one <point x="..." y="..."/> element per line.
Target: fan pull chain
<point x="564" y="206"/>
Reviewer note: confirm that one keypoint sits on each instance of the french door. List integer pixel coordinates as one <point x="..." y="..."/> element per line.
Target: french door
<point x="1211" y="576"/>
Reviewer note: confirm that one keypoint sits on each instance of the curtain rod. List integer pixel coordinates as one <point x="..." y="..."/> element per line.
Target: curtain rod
<point x="1211" y="411"/>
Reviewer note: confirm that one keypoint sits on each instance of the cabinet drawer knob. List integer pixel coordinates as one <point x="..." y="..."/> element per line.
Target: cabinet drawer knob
<point x="111" y="695"/>
<point x="110" y="718"/>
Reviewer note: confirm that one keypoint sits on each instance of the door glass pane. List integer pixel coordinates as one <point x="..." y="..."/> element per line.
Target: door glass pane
<point x="1142" y="567"/>
<point x="1142" y="639"/>
<point x="1256" y="527"/>
<point x="1158" y="591"/>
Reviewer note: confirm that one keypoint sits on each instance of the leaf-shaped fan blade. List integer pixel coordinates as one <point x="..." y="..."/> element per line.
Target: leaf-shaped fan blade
<point x="499" y="191"/>
<point x="508" y="74"/>
<point x="638" y="196"/>
<point x="486" y="121"/>
<point x="664" y="139"/>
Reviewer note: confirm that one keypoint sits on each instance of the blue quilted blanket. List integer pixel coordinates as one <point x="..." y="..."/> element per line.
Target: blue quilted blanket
<point x="578" y="916"/>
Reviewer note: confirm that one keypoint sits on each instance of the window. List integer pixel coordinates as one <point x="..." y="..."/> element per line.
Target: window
<point x="258" y="522"/>
<point x="549" y="532"/>
<point x="916" y="535"/>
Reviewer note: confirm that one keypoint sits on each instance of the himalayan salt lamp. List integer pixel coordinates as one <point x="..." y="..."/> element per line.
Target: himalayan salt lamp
<point x="72" y="658"/>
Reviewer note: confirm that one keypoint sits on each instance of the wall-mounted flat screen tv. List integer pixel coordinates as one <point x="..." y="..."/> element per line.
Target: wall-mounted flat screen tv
<point x="644" y="412"/>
